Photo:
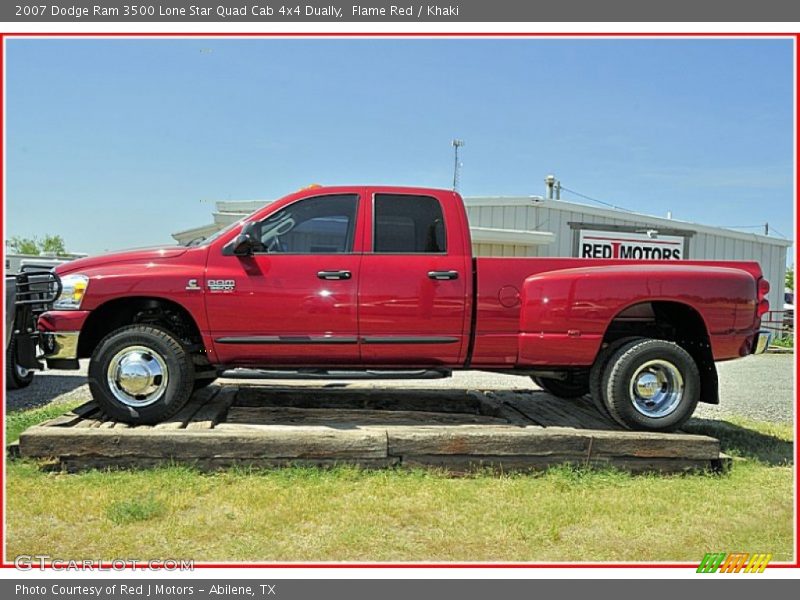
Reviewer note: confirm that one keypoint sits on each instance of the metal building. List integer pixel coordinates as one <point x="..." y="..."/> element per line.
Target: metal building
<point x="533" y="226"/>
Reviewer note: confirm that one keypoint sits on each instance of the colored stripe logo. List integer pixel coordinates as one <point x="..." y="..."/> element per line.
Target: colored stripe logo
<point x="737" y="562"/>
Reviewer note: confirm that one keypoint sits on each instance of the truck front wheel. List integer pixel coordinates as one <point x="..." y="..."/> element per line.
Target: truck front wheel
<point x="651" y="384"/>
<point x="141" y="374"/>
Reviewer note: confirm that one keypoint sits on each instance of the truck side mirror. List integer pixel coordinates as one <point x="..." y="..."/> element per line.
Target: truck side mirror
<point x="244" y="243"/>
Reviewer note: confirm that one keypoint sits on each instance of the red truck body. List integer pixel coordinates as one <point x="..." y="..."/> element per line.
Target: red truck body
<point x="367" y="308"/>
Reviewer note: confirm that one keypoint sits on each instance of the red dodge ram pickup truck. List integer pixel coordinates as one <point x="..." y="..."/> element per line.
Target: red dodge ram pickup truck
<point x="382" y="278"/>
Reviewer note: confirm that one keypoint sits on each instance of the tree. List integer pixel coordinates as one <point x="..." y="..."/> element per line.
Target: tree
<point x="24" y="245"/>
<point x="789" y="280"/>
<point x="53" y="244"/>
<point x="50" y="244"/>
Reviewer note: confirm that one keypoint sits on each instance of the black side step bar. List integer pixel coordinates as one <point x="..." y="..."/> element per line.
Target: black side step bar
<point x="335" y="374"/>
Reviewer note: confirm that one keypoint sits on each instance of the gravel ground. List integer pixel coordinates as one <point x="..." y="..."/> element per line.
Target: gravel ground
<point x="758" y="387"/>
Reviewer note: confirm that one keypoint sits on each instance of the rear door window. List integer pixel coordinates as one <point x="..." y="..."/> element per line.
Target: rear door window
<point x="407" y="224"/>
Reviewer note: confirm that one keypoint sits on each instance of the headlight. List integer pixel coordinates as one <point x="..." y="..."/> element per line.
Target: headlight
<point x="74" y="288"/>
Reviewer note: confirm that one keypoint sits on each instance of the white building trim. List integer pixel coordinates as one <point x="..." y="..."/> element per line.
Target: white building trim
<point x="517" y="237"/>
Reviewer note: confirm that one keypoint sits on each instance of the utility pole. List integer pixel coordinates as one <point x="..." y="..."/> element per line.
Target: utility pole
<point x="457" y="165"/>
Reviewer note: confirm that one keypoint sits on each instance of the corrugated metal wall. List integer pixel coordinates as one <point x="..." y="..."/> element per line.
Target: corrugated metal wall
<point x="556" y="219"/>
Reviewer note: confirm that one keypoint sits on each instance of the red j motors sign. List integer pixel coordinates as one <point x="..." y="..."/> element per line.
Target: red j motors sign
<point x="634" y="246"/>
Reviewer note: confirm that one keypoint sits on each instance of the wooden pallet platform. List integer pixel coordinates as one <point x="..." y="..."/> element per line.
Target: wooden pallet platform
<point x="312" y="424"/>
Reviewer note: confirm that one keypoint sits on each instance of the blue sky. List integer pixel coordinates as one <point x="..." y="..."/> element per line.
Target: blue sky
<point x="118" y="143"/>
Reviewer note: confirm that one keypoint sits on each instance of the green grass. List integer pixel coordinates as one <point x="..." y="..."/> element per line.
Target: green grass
<point x="348" y="514"/>
<point x="19" y="420"/>
<point x="133" y="510"/>
<point x="766" y="443"/>
<point x="783" y="341"/>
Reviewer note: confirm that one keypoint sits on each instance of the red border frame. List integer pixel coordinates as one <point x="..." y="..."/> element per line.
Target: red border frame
<point x="517" y="34"/>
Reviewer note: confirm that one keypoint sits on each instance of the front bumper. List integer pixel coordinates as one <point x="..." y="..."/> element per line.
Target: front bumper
<point x="58" y="334"/>
<point x="761" y="341"/>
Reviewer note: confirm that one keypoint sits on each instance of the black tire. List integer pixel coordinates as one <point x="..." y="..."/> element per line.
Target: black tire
<point x="574" y="386"/>
<point x="664" y="369"/>
<point x="16" y="377"/>
<point x="596" y="375"/>
<point x="161" y="346"/>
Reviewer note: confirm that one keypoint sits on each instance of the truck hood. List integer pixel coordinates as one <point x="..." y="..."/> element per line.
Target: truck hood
<point x="152" y="254"/>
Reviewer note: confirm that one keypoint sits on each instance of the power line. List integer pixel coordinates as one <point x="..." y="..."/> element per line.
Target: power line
<point x="566" y="189"/>
<point x="614" y="206"/>
<point x="772" y="227"/>
<point x="761" y="226"/>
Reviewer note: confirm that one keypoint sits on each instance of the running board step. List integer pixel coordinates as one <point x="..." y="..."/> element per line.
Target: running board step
<point x="335" y="374"/>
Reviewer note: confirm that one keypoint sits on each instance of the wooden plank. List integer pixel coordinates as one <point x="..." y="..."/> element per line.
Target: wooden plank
<point x="561" y="412"/>
<point x="576" y="412"/>
<point x="90" y="422"/>
<point x="581" y="409"/>
<point x="98" y="420"/>
<point x="195" y="403"/>
<point x="72" y="417"/>
<point x="481" y="440"/>
<point x="325" y="416"/>
<point x="213" y="412"/>
<point x="513" y="400"/>
<point x="275" y="442"/>
<point x="532" y="441"/>
<point x="592" y="418"/>
<point x="550" y="412"/>
<point x="352" y="397"/>
<point x="492" y="404"/>
<point x="652" y="445"/>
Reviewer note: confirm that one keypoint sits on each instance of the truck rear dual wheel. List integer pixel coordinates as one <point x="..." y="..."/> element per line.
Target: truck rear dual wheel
<point x="597" y="371"/>
<point x="650" y="385"/>
<point x="141" y="374"/>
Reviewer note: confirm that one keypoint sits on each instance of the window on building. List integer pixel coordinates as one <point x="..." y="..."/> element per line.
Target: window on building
<point x="406" y="224"/>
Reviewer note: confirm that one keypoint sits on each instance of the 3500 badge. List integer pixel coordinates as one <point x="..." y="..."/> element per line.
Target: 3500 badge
<point x="221" y="285"/>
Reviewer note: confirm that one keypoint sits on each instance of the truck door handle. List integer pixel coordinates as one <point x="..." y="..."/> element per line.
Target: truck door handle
<point x="334" y="275"/>
<point x="443" y="275"/>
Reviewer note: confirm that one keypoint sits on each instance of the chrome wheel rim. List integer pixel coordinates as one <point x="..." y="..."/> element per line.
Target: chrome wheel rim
<point x="22" y="372"/>
<point x="137" y="376"/>
<point x="656" y="388"/>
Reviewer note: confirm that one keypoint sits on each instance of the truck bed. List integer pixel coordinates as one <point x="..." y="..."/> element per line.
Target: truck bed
<point x="500" y="285"/>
